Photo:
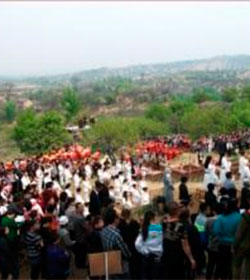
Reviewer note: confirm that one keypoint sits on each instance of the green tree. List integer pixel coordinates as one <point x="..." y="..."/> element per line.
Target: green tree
<point x="209" y="120"/>
<point x="157" y="112"/>
<point x="241" y="111"/>
<point x="149" y="128"/>
<point x="10" y="110"/>
<point x="245" y="93"/>
<point x="200" y="95"/>
<point x="114" y="132"/>
<point x="37" y="134"/>
<point x="71" y="103"/>
<point x="176" y="110"/>
<point x="230" y="94"/>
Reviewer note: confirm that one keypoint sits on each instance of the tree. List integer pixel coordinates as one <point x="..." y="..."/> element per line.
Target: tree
<point x="200" y="96"/>
<point x="241" y="111"/>
<point x="147" y="128"/>
<point x="245" y="93"/>
<point x="157" y="112"/>
<point x="71" y="103"/>
<point x="10" y="110"/>
<point x="230" y="94"/>
<point x="112" y="132"/>
<point x="37" y="134"/>
<point x="176" y="110"/>
<point x="209" y="120"/>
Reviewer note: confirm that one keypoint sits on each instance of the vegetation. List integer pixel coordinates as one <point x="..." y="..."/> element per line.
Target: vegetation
<point x="204" y="111"/>
<point x="118" y="132"/>
<point x="71" y="103"/>
<point x="10" y="110"/>
<point x="40" y="133"/>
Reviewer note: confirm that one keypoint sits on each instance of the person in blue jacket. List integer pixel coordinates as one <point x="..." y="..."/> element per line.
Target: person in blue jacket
<point x="225" y="228"/>
<point x="58" y="260"/>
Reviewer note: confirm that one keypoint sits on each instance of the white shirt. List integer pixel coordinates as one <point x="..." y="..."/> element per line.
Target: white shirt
<point x="79" y="198"/>
<point x="76" y="180"/>
<point x="127" y="204"/>
<point x="68" y="192"/>
<point x="67" y="176"/>
<point x="86" y="189"/>
<point x="57" y="187"/>
<point x="25" y="181"/>
<point x="246" y="174"/>
<point x="142" y="185"/>
<point x="136" y="197"/>
<point x="88" y="170"/>
<point x="242" y="163"/>
<point x="145" y="198"/>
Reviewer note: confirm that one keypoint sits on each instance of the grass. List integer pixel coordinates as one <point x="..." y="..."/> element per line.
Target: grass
<point x="8" y="147"/>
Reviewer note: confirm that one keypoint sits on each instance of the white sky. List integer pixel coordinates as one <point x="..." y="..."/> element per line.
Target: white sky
<point x="56" y="37"/>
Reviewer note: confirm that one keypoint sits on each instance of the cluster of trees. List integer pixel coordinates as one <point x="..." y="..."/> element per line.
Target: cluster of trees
<point x="203" y="112"/>
<point x="39" y="133"/>
<point x="116" y="132"/>
<point x="197" y="120"/>
<point x="8" y="111"/>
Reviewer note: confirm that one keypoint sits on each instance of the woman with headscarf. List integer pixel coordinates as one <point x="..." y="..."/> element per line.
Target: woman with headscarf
<point x="168" y="185"/>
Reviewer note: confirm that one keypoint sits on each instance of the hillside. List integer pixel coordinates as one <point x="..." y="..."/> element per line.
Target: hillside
<point x="124" y="88"/>
<point x="218" y="63"/>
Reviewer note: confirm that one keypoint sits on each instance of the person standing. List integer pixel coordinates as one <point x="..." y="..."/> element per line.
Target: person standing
<point x="149" y="245"/>
<point x="225" y="166"/>
<point x="184" y="196"/>
<point x="242" y="163"/>
<point x="229" y="183"/>
<point x="168" y="185"/>
<point x="225" y="228"/>
<point x="241" y="265"/>
<point x="112" y="240"/>
<point x="175" y="245"/>
<point x="57" y="260"/>
<point x="34" y="244"/>
<point x="210" y="175"/>
<point x="129" y="229"/>
<point x="12" y="236"/>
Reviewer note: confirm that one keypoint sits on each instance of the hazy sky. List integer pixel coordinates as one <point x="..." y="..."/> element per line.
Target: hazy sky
<point x="57" y="37"/>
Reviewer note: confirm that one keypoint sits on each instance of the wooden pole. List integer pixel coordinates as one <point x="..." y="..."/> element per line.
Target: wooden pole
<point x="106" y="266"/>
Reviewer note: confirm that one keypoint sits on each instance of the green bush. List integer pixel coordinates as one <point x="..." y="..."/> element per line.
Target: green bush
<point x="37" y="134"/>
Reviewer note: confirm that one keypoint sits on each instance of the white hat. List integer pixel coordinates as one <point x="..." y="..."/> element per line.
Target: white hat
<point x="63" y="220"/>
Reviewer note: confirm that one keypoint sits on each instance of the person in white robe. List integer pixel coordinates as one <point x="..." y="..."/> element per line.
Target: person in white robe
<point x="225" y="166"/>
<point x="145" y="200"/>
<point x="61" y="174"/>
<point x="86" y="187"/>
<point x="76" y="180"/>
<point x="136" y="196"/>
<point x="39" y="176"/>
<point x="246" y="174"/>
<point x="78" y="196"/>
<point x="67" y="175"/>
<point x="242" y="163"/>
<point x="88" y="171"/>
<point x="25" y="180"/>
<point x="210" y="175"/>
<point x="127" y="200"/>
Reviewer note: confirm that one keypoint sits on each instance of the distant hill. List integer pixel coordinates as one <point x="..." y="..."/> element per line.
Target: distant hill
<point x="239" y="63"/>
<point x="133" y="85"/>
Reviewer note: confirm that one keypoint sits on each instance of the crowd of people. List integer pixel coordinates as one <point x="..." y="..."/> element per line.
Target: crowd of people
<point x="56" y="213"/>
